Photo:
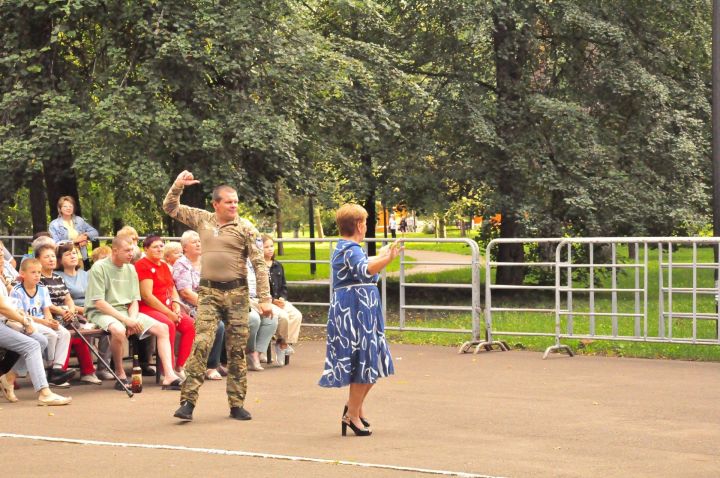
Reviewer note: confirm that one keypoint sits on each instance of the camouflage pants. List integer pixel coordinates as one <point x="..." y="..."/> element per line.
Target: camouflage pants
<point x="232" y="307"/>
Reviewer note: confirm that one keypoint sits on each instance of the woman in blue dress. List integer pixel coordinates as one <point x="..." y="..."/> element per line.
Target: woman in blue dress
<point x="357" y="352"/>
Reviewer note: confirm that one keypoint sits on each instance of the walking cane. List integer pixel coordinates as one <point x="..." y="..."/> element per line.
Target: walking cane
<point x="74" y="324"/>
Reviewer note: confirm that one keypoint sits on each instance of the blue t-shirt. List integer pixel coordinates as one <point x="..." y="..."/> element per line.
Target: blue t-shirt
<point x="32" y="305"/>
<point x="77" y="285"/>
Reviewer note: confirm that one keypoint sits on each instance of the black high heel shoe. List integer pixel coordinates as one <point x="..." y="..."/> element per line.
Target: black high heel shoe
<point x="361" y="432"/>
<point x="365" y="423"/>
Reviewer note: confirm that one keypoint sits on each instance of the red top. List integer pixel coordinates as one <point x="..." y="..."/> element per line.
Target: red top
<point x="162" y="281"/>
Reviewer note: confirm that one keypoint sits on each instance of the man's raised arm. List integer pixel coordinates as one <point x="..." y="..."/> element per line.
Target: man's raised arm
<point x="171" y="205"/>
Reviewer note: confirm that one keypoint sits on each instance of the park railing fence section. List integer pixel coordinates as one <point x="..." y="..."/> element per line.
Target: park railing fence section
<point x="638" y="289"/>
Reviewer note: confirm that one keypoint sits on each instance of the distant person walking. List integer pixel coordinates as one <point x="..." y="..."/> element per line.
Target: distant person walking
<point x="357" y="352"/>
<point x="393" y="227"/>
<point x="227" y="241"/>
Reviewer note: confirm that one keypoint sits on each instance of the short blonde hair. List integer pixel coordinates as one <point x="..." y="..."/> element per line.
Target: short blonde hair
<point x="171" y="247"/>
<point x="101" y="253"/>
<point x="129" y="231"/>
<point x="347" y="218"/>
<point x="28" y="263"/>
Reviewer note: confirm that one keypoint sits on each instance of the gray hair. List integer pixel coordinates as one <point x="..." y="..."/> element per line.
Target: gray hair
<point x="187" y="237"/>
<point x="170" y="247"/>
<point x="42" y="241"/>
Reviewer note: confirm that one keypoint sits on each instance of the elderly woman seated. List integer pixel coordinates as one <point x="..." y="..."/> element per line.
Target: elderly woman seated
<point x="186" y="273"/>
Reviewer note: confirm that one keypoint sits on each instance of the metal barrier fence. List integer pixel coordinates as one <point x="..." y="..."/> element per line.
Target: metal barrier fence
<point x="603" y="315"/>
<point x="474" y="307"/>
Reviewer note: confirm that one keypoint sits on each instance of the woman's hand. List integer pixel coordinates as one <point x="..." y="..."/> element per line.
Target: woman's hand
<point x="280" y="302"/>
<point x="173" y="316"/>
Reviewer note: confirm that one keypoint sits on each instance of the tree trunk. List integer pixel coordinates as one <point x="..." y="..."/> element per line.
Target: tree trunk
<point x="511" y="49"/>
<point x="117" y="224"/>
<point x="369" y="202"/>
<point x="442" y="227"/>
<point x="278" y="219"/>
<point x="38" y="204"/>
<point x="60" y="180"/>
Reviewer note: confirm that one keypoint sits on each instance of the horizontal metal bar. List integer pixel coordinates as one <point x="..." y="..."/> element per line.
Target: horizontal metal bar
<point x="520" y="309"/>
<point x="630" y="338"/>
<point x="601" y="314"/>
<point x="522" y="287"/>
<point x="689" y="265"/>
<point x="316" y="304"/>
<point x="424" y="329"/>
<point x="435" y="263"/>
<point x="689" y="290"/>
<point x="422" y="284"/>
<point x="591" y="289"/>
<point x="303" y="261"/>
<point x="607" y="266"/>
<point x="309" y="282"/>
<point x="526" y="334"/>
<point x="510" y="264"/>
<point x="688" y="315"/>
<point x="437" y="307"/>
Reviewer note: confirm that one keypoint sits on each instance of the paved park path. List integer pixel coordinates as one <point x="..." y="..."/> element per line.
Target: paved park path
<point x="433" y="256"/>
<point x="508" y="414"/>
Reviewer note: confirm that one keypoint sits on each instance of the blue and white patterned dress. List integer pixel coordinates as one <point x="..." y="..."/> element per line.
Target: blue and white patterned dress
<point x="357" y="351"/>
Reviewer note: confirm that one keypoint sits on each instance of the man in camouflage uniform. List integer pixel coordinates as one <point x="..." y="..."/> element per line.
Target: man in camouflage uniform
<point x="227" y="241"/>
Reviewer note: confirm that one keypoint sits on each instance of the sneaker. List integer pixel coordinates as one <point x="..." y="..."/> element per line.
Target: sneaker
<point x="53" y="400"/>
<point x="104" y="375"/>
<point x="92" y="378"/>
<point x="279" y="356"/>
<point x="59" y="385"/>
<point x="289" y="350"/>
<point x="7" y="389"/>
<point x="239" y="413"/>
<point x="185" y="411"/>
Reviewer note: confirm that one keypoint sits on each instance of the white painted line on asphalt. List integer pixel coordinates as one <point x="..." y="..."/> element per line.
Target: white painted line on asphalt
<point x="216" y="451"/>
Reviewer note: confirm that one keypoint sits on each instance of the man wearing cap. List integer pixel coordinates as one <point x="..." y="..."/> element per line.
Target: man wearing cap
<point x="227" y="241"/>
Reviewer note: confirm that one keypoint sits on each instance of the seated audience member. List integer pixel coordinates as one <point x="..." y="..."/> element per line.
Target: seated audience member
<point x="289" y="318"/>
<point x="160" y="299"/>
<point x="23" y="341"/>
<point x="112" y="303"/>
<point x="173" y="252"/>
<point x="71" y="271"/>
<point x="8" y="271"/>
<point x="7" y="255"/>
<point x="34" y="299"/>
<point x="261" y="328"/>
<point x="130" y="232"/>
<point x="102" y="373"/>
<point x="186" y="274"/>
<point x="62" y="307"/>
<point x="100" y="253"/>
<point x="68" y="226"/>
<point x="39" y="239"/>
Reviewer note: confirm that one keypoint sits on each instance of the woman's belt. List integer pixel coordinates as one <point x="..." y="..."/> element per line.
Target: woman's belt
<point x="226" y="285"/>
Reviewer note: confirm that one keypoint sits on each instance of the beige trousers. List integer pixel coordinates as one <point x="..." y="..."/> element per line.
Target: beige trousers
<point x="289" y="320"/>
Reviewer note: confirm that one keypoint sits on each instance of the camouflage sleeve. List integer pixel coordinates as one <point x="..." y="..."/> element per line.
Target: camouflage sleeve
<point x="255" y="254"/>
<point x="187" y="215"/>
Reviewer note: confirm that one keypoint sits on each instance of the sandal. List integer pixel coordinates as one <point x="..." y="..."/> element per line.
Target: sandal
<point x="213" y="374"/>
<point x="175" y="385"/>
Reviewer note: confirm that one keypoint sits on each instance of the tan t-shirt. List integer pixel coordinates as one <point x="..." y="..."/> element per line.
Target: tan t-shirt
<point x="224" y="248"/>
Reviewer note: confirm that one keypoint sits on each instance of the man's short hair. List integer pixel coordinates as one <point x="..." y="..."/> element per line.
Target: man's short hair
<point x="216" y="193"/>
<point x="348" y="216"/>
<point x="129" y="231"/>
<point x="25" y="265"/>
<point x="121" y="239"/>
